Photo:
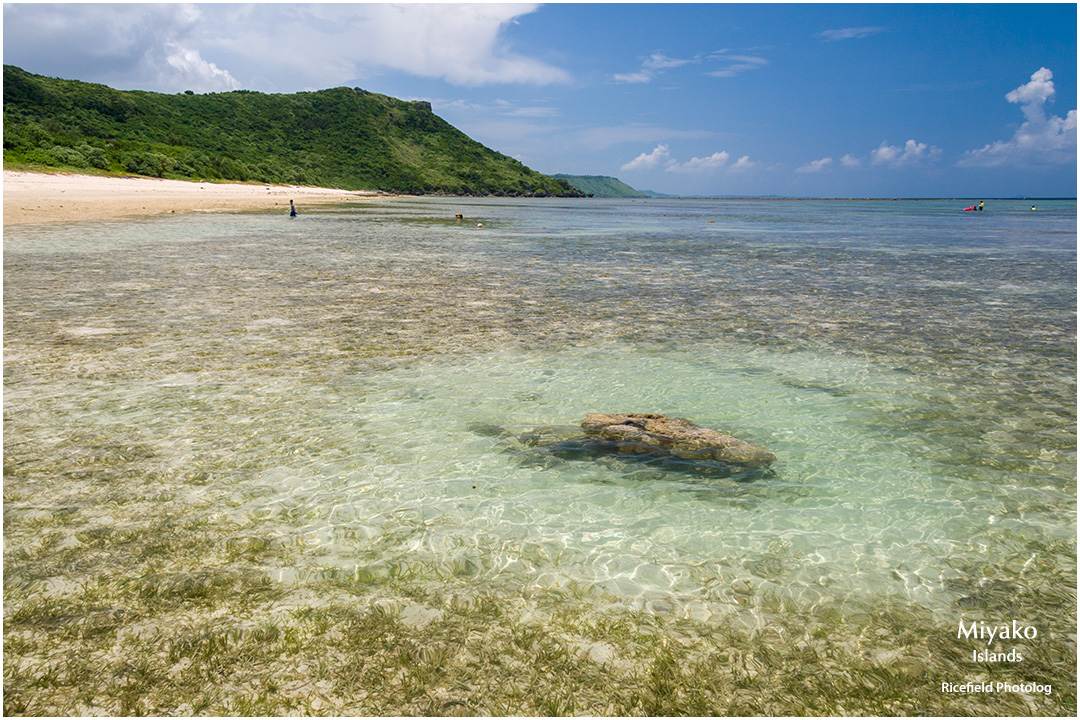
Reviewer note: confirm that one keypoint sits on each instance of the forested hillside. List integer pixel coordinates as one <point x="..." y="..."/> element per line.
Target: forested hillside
<point x="343" y="137"/>
<point x="601" y="185"/>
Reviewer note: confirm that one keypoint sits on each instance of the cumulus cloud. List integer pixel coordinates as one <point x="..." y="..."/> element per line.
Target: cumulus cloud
<point x="849" y="33"/>
<point x="285" y="46"/>
<point x="144" y="46"/>
<point x="700" y="164"/>
<point x="1040" y="139"/>
<point x="815" y="166"/>
<point x="661" y="157"/>
<point x="743" y="163"/>
<point x="1035" y="92"/>
<point x="911" y="153"/>
<point x="461" y="44"/>
<point x="646" y="161"/>
<point x="184" y="67"/>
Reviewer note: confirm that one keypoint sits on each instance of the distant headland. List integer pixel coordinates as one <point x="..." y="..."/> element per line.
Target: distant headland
<point x="605" y="187"/>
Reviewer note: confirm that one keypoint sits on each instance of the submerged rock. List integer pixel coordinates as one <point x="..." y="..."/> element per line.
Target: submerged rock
<point x="640" y="445"/>
<point x="641" y="434"/>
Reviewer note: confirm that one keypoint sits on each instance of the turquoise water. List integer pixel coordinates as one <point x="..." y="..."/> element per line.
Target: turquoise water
<point x="351" y="387"/>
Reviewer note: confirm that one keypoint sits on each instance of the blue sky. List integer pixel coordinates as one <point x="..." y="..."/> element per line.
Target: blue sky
<point x="846" y="100"/>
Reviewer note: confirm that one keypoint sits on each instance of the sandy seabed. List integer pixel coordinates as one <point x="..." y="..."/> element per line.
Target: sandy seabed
<point x="61" y="197"/>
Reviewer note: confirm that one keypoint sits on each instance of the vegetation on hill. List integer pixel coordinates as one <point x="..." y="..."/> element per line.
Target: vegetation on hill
<point x="343" y="137"/>
<point x="601" y="185"/>
<point x="604" y="186"/>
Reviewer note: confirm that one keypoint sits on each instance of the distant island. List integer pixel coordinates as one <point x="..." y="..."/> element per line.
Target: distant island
<point x="344" y="138"/>
<point x="604" y="186"/>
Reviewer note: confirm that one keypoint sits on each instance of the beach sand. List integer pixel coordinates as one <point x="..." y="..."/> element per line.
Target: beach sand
<point x="61" y="197"/>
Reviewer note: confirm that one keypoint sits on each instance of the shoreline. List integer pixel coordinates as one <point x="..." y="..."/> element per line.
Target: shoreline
<point x="34" y="198"/>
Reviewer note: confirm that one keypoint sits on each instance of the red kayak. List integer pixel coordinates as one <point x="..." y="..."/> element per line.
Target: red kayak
<point x="970" y="208"/>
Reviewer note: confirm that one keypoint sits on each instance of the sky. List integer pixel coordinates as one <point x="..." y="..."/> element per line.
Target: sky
<point x="837" y="100"/>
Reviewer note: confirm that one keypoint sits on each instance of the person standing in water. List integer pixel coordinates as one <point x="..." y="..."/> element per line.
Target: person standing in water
<point x="292" y="209"/>
<point x="980" y="205"/>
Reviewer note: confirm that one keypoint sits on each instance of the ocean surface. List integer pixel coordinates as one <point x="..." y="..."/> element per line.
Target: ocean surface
<point x="362" y="388"/>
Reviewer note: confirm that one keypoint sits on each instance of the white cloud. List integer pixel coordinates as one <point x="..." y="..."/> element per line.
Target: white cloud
<point x="743" y="163"/>
<point x="655" y="64"/>
<point x="851" y="32"/>
<point x="815" y="166"/>
<point x="184" y="67"/>
<point x="459" y="43"/>
<point x="1040" y="139"/>
<point x="911" y="153"/>
<point x="886" y="153"/>
<point x="735" y="64"/>
<point x="145" y="46"/>
<point x="646" y="161"/>
<point x="1034" y="93"/>
<point x="652" y="66"/>
<point x="661" y="157"/>
<point x="638" y="77"/>
<point x="700" y="164"/>
<point x="270" y="47"/>
<point x="850" y="161"/>
<point x="659" y="61"/>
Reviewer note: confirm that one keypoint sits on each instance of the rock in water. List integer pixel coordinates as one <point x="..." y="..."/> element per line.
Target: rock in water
<point x="640" y="434"/>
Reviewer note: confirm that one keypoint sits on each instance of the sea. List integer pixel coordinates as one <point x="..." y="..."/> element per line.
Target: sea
<point x="370" y="390"/>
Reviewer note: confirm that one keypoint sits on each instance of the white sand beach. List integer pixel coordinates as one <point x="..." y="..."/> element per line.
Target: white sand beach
<point x="62" y="197"/>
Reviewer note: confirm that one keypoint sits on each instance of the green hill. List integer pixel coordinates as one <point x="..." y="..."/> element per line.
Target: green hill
<point x="343" y="137"/>
<point x="603" y="186"/>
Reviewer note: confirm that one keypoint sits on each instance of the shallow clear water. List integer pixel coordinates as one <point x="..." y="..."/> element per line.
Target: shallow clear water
<point x="351" y="386"/>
